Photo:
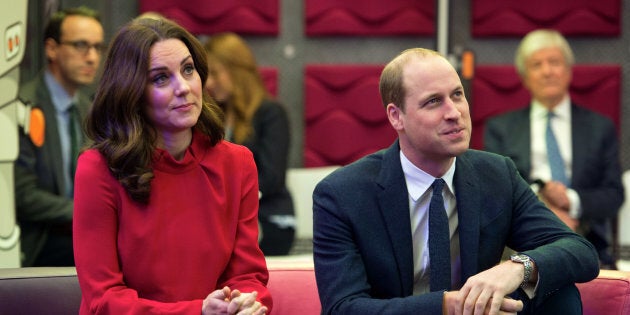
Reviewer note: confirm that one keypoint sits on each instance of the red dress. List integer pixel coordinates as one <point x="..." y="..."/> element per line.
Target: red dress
<point x="198" y="233"/>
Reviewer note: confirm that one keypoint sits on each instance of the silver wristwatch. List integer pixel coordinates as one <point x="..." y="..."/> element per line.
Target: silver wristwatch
<point x="527" y="262"/>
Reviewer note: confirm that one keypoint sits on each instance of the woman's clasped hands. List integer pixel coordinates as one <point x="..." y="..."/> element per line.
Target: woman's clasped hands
<point x="226" y="301"/>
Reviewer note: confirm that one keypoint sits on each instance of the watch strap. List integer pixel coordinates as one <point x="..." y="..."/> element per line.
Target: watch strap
<point x="527" y="264"/>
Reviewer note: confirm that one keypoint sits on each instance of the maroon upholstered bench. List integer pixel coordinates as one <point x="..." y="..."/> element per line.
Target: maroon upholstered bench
<point x="56" y="291"/>
<point x="608" y="294"/>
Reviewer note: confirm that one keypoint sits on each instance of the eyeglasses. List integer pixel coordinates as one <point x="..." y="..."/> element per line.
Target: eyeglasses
<point x="83" y="47"/>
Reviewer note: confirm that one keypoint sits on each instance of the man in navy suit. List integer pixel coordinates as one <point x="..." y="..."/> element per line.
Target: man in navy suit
<point x="371" y="249"/>
<point x="44" y="182"/>
<point x="591" y="194"/>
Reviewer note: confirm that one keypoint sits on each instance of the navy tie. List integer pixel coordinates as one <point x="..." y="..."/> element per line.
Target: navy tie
<point x="439" y="240"/>
<point x="556" y="163"/>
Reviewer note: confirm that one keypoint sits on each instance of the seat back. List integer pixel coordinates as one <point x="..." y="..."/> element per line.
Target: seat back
<point x="56" y="290"/>
<point x="371" y="18"/>
<point x="301" y="183"/>
<point x="608" y="294"/>
<point x="270" y="79"/>
<point x="294" y="291"/>
<point x="491" y="18"/>
<point x="344" y="116"/>
<point x="39" y="290"/>
<point x="201" y="17"/>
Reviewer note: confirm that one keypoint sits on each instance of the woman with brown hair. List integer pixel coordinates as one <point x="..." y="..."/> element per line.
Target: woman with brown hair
<point x="164" y="209"/>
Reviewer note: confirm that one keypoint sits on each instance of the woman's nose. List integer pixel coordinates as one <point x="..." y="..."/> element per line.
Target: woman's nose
<point x="182" y="87"/>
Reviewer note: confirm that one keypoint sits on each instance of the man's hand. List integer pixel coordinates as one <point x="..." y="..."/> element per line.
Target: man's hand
<point x="555" y="197"/>
<point x="485" y="293"/>
<point x="509" y="306"/>
<point x="555" y="194"/>
<point x="565" y="217"/>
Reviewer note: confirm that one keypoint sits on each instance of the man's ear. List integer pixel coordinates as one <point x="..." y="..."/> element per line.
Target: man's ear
<point x="393" y="114"/>
<point x="51" y="47"/>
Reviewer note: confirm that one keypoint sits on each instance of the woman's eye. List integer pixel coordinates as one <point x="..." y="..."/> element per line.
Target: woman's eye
<point x="160" y="79"/>
<point x="189" y="69"/>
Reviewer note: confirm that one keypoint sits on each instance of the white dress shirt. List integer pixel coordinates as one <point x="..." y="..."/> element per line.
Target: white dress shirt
<point x="62" y="101"/>
<point x="561" y="125"/>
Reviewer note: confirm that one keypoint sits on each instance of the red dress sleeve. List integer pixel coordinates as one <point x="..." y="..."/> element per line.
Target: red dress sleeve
<point x="247" y="270"/>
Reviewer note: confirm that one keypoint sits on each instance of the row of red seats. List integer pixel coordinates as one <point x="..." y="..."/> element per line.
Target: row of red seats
<point x="344" y="118"/>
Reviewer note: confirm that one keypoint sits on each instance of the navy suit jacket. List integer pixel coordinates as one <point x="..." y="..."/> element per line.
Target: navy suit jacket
<point x="363" y="243"/>
<point x="40" y="192"/>
<point x="596" y="169"/>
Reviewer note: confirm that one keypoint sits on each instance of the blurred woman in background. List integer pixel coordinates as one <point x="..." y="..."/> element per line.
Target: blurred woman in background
<point x="254" y="119"/>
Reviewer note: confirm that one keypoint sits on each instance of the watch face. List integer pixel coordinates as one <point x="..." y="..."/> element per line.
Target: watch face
<point x="519" y="258"/>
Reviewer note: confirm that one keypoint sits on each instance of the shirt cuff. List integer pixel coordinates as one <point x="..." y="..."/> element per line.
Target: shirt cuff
<point x="575" y="210"/>
<point x="530" y="290"/>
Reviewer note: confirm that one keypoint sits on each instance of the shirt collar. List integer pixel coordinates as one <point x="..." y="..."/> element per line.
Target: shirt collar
<point x="418" y="181"/>
<point x="60" y="98"/>
<point x="561" y="111"/>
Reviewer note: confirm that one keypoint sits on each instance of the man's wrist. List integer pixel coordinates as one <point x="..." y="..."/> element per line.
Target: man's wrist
<point x="444" y="309"/>
<point x="528" y="265"/>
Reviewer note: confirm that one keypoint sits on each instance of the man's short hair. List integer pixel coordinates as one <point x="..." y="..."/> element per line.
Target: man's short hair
<point x="53" y="28"/>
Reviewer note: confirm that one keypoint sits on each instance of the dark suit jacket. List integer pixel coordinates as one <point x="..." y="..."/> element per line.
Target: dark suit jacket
<point x="40" y="193"/>
<point x="362" y="233"/>
<point x="596" y="167"/>
<point x="270" y="146"/>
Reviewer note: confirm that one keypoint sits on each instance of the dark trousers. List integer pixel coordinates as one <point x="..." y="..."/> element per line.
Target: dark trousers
<point x="57" y="251"/>
<point x="276" y="240"/>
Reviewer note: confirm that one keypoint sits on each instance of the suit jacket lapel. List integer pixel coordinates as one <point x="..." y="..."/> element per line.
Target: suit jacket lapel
<point x="521" y="142"/>
<point x="394" y="206"/>
<point x="52" y="144"/>
<point x="579" y="154"/>
<point x="85" y="103"/>
<point x="468" y="192"/>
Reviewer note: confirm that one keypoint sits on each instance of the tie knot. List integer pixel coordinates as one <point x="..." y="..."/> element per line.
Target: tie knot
<point x="72" y="108"/>
<point x="438" y="185"/>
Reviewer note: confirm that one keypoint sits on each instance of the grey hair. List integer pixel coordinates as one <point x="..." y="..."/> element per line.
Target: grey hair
<point x="540" y="39"/>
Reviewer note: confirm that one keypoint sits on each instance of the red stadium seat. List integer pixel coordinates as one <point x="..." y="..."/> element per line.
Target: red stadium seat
<point x="572" y="18"/>
<point x="344" y="117"/>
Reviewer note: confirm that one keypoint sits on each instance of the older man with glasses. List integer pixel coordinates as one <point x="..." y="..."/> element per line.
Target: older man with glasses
<point x="44" y="175"/>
